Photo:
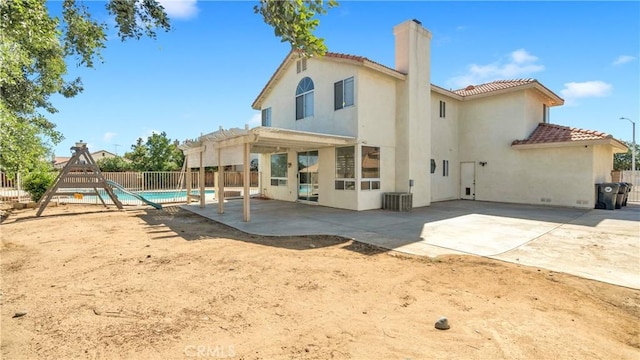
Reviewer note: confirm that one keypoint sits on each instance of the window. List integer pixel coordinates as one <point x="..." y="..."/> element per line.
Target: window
<point x="301" y="65"/>
<point x="345" y="168"/>
<point x="443" y="109"/>
<point x="445" y="167"/>
<point x="343" y="94"/>
<point x="433" y="166"/>
<point x="304" y="99"/>
<point x="370" y="167"/>
<point x="266" y="117"/>
<point x="279" y="167"/>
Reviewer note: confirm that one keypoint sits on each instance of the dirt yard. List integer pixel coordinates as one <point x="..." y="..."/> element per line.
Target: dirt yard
<point x="148" y="284"/>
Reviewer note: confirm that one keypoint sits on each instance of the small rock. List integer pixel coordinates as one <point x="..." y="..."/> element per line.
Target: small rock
<point x="442" y="324"/>
<point x="19" y="314"/>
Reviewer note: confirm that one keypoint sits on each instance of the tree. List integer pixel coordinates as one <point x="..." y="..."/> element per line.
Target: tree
<point x="34" y="48"/>
<point x="158" y="153"/>
<point x="622" y="161"/>
<point x="114" y="164"/>
<point x="295" y="21"/>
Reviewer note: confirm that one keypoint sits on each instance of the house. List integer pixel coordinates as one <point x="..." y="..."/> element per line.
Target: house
<point x="342" y="130"/>
<point x="59" y="162"/>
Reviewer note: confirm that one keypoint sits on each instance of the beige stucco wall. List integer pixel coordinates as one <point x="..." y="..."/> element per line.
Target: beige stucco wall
<point x="549" y="176"/>
<point x="602" y="163"/>
<point x="413" y="110"/>
<point x="444" y="146"/>
<point x="552" y="176"/>
<point x="281" y="99"/>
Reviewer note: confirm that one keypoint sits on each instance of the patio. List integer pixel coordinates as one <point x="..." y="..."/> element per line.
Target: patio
<point x="597" y="244"/>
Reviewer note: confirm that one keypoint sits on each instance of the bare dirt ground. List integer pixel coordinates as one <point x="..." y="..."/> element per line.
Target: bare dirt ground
<point x="148" y="284"/>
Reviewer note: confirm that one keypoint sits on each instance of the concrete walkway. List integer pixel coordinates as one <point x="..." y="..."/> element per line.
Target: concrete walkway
<point x="603" y="245"/>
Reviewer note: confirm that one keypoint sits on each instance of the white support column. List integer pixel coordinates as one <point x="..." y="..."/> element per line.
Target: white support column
<point x="201" y="179"/>
<point x="220" y="189"/>
<point x="188" y="178"/>
<point x="247" y="182"/>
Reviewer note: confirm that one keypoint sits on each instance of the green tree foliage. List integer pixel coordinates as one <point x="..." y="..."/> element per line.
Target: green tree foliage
<point x="38" y="181"/>
<point x="295" y="21"/>
<point x="158" y="153"/>
<point x="114" y="164"/>
<point x="622" y="161"/>
<point x="35" y="47"/>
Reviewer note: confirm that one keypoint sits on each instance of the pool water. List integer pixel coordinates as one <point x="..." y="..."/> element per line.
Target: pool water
<point x="160" y="197"/>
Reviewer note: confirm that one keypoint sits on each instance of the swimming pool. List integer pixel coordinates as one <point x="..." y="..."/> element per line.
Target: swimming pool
<point x="158" y="196"/>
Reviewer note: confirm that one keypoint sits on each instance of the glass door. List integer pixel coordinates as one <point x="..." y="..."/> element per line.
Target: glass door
<point x="308" y="175"/>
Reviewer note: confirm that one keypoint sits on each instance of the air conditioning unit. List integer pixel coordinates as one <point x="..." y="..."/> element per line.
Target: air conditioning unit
<point x="397" y="201"/>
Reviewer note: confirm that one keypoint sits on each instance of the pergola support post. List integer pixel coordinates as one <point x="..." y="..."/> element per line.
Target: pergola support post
<point x="220" y="189"/>
<point x="246" y="213"/>
<point x="201" y="179"/>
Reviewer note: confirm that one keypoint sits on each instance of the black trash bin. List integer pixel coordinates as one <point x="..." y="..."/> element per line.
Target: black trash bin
<point x="622" y="191"/>
<point x="607" y="195"/>
<point x="626" y="194"/>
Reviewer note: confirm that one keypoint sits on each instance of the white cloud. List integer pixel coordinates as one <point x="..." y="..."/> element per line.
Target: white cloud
<point x="256" y="120"/>
<point x="517" y="64"/>
<point x="108" y="136"/>
<point x="575" y="90"/>
<point x="623" y="59"/>
<point x="180" y="9"/>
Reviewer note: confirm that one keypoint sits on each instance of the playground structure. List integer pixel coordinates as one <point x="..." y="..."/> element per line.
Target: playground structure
<point x="82" y="176"/>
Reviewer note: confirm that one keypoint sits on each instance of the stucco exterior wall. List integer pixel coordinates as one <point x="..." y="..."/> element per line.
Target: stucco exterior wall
<point x="487" y="126"/>
<point x="602" y="164"/>
<point x="281" y="99"/>
<point x="548" y="176"/>
<point x="286" y="193"/>
<point x="444" y="146"/>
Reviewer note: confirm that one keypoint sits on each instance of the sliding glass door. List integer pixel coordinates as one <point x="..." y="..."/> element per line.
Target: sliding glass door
<point x="308" y="175"/>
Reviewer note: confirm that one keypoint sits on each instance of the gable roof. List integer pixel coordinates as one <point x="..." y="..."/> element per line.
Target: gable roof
<point x="337" y="57"/>
<point x="501" y="86"/>
<point x="551" y="134"/>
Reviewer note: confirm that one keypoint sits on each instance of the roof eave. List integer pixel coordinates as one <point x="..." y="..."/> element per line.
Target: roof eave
<point x="555" y="99"/>
<point x="617" y="146"/>
<point x="446" y="92"/>
<point x="257" y="103"/>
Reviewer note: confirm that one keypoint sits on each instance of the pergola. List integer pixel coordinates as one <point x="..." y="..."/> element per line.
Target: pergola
<point x="234" y="146"/>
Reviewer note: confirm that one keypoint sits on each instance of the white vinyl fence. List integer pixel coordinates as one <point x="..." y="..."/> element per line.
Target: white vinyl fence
<point x="634" y="179"/>
<point x="157" y="186"/>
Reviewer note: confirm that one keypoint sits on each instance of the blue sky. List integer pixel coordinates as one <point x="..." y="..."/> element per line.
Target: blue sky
<point x="208" y="69"/>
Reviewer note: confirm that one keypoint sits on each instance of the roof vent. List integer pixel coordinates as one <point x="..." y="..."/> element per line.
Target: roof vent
<point x="417" y="21"/>
<point x="470" y="87"/>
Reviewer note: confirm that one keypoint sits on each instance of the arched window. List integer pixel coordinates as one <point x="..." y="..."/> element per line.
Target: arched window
<point x="304" y="98"/>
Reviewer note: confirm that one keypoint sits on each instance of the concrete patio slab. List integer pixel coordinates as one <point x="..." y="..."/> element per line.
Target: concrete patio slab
<point x="602" y="245"/>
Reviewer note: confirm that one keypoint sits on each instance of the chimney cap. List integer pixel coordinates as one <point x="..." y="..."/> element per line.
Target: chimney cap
<point x="417" y="21"/>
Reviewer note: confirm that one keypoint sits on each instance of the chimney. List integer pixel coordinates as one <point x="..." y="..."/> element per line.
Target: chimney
<point x="413" y="112"/>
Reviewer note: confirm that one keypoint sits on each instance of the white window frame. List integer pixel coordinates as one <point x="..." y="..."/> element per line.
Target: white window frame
<point x="307" y="98"/>
<point x="279" y="180"/>
<point x="343" y="104"/>
<point x="345" y="183"/>
<point x="266" y="117"/>
<point x="369" y="183"/>
<point x="443" y="109"/>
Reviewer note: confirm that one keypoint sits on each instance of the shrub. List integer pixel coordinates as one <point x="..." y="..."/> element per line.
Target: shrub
<point x="36" y="183"/>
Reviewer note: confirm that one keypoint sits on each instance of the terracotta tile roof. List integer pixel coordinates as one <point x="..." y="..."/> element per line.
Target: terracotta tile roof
<point x="360" y="59"/>
<point x="551" y="133"/>
<point x="492" y="86"/>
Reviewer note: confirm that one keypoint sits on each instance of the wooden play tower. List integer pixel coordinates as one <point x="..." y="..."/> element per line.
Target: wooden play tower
<point x="81" y="176"/>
